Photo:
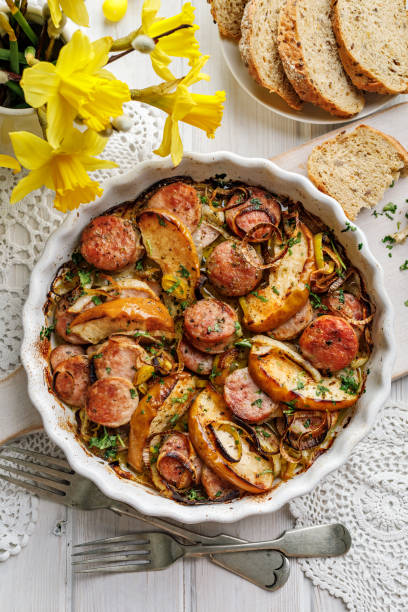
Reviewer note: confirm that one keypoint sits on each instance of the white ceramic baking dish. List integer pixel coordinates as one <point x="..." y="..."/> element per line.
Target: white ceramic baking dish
<point x="254" y="171"/>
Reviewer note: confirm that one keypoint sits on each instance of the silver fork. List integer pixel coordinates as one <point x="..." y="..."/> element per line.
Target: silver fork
<point x="53" y="479"/>
<point x="156" y="551"/>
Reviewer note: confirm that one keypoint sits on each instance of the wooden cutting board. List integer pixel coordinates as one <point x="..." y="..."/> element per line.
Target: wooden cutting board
<point x="393" y="121"/>
<point x="18" y="416"/>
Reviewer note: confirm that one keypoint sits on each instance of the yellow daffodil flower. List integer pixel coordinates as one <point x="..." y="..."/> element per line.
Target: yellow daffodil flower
<point x="76" y="85"/>
<point x="199" y="110"/>
<point x="181" y="43"/>
<point x="9" y="162"/>
<point x="74" y="9"/>
<point x="63" y="169"/>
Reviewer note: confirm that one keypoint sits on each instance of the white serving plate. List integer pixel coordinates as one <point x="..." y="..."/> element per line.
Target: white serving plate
<point x="58" y="419"/>
<point x="309" y="113"/>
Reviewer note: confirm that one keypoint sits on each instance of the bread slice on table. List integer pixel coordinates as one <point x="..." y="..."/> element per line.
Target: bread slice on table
<point x="356" y="168"/>
<point x="308" y="50"/>
<point x="259" y="49"/>
<point x="228" y="14"/>
<point x="373" y="43"/>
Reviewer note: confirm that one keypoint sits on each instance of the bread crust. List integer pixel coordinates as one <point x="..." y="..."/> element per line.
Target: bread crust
<point x="222" y="30"/>
<point x="291" y="53"/>
<point x="361" y="77"/>
<point x="245" y="47"/>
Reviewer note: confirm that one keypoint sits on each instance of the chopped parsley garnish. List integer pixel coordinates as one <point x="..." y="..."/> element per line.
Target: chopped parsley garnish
<point x="69" y="277"/>
<point x="140" y="333"/>
<point x="390" y="207"/>
<point x="265" y="472"/>
<point x="46" y="332"/>
<point x="390" y="240"/>
<point x="139" y="265"/>
<point x="315" y="299"/>
<point x="293" y="241"/>
<point x="341" y="296"/>
<point x="108" y="370"/>
<point x="77" y="258"/>
<point x="349" y="384"/>
<point x="245" y="343"/>
<point x="260" y="297"/>
<point x="256" y="202"/>
<point x="161" y="221"/>
<point x="404" y="266"/>
<point x="179" y="400"/>
<point x="237" y="326"/>
<point x="274" y="289"/>
<point x="174" y="286"/>
<point x="133" y="393"/>
<point x="349" y="227"/>
<point x="203" y="199"/>
<point x="108" y="443"/>
<point x="214" y="372"/>
<point x="194" y="495"/>
<point x="291" y="405"/>
<point x="183" y="271"/>
<point x="257" y="402"/>
<point x="306" y="423"/>
<point x="218" y="493"/>
<point x="97" y="356"/>
<point x="392" y="184"/>
<point x="174" y="418"/>
<point x="96" y="300"/>
<point x="299" y="385"/>
<point x="84" y="277"/>
<point x="360" y="246"/>
<point x="321" y="390"/>
<point x="406" y="303"/>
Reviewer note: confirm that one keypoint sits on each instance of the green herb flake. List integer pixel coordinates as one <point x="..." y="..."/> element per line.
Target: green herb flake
<point x="406" y="303"/>
<point x="259" y="297"/>
<point x="174" y="418"/>
<point x="321" y="390"/>
<point x="274" y="289"/>
<point x="349" y="227"/>
<point x="349" y="384"/>
<point x="360" y="246"/>
<point x="133" y="393"/>
<point x="299" y="385"/>
<point x="245" y="343"/>
<point x="46" y="332"/>
<point x="257" y="402"/>
<point x="108" y="370"/>
<point x="96" y="300"/>
<point x="306" y="423"/>
<point x="183" y="271"/>
<point x="84" y="277"/>
<point x="203" y="199"/>
<point x="97" y="356"/>
<point x="341" y="296"/>
<point x="139" y="266"/>
<point x="161" y="221"/>
<point x="390" y="207"/>
<point x="404" y="266"/>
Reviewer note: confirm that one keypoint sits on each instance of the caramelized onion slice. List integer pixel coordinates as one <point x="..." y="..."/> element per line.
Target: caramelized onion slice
<point x="266" y="439"/>
<point x="307" y="429"/>
<point x="227" y="437"/>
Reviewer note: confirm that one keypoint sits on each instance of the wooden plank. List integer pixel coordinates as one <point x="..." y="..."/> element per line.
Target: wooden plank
<point x="392" y="121"/>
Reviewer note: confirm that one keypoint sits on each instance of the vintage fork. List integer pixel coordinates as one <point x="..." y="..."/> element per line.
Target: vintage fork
<point x="53" y="479"/>
<point x="156" y="551"/>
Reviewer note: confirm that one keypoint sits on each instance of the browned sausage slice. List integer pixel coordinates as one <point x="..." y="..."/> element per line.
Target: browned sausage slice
<point x="119" y="356"/>
<point x="111" y="401"/>
<point x="245" y="221"/>
<point x="172" y="462"/>
<point x="344" y="305"/>
<point x="210" y="325"/>
<point x="194" y="360"/>
<point x="63" y="320"/>
<point x="180" y="199"/>
<point x="296" y="324"/>
<point x="72" y="379"/>
<point x="330" y="343"/>
<point x="246" y="400"/>
<point x="63" y="352"/>
<point x="216" y="488"/>
<point x="204" y="235"/>
<point x="230" y="272"/>
<point x="110" y="243"/>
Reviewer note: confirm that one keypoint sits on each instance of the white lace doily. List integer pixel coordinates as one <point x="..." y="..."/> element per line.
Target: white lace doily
<point x="369" y="495"/>
<point x="24" y="228"/>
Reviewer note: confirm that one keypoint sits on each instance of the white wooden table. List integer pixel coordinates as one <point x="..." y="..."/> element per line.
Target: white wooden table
<point x="39" y="579"/>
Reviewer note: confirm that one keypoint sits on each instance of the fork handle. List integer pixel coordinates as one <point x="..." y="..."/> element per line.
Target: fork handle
<point x="318" y="541"/>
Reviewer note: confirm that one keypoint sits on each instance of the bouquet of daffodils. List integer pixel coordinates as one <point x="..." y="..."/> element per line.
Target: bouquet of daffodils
<point x="79" y="102"/>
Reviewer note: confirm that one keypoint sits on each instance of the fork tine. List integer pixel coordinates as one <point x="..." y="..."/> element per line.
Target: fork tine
<point x="36" y="455"/>
<point x="53" y="484"/>
<point x="123" y="538"/>
<point x="46" y="493"/>
<point x="132" y="556"/>
<point x="113" y="569"/>
<point x="136" y="545"/>
<point x="61" y="475"/>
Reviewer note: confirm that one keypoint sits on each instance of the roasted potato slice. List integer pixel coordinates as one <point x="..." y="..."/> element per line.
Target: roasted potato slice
<point x="286" y="380"/>
<point x="123" y="315"/>
<point x="169" y="243"/>
<point x="159" y="410"/>
<point x="252" y="472"/>
<point x="286" y="292"/>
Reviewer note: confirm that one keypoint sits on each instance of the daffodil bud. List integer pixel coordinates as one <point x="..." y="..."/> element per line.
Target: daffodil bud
<point x="143" y="43"/>
<point x="3" y="77"/>
<point x="2" y="30"/>
<point x="115" y="10"/>
<point x="52" y="30"/>
<point x="123" y="123"/>
<point x="29" y="55"/>
<point x="108" y="131"/>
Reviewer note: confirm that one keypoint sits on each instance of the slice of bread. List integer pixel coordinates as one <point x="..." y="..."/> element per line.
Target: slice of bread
<point x="373" y="43"/>
<point x="356" y="168"/>
<point x="228" y="14"/>
<point x="310" y="58"/>
<point x="259" y="49"/>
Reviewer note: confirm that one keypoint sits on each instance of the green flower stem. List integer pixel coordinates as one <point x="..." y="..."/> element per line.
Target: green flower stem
<point x="124" y="43"/>
<point x="22" y="22"/>
<point x="14" y="61"/>
<point x="5" y="56"/>
<point x="15" y="88"/>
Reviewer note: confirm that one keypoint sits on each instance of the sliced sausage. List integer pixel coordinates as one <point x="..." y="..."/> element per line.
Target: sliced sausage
<point x="210" y="325"/>
<point x="344" y="305"/>
<point x="72" y="379"/>
<point x="63" y="320"/>
<point x="194" y="360"/>
<point x="111" y="401"/>
<point x="110" y="243"/>
<point x="119" y="356"/>
<point x="295" y="325"/>
<point x="173" y="461"/>
<point x="180" y="199"/>
<point x="230" y="272"/>
<point x="247" y="401"/>
<point x="216" y="488"/>
<point x="330" y="343"/>
<point x="204" y="235"/>
<point x="63" y="352"/>
<point x="245" y="221"/>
